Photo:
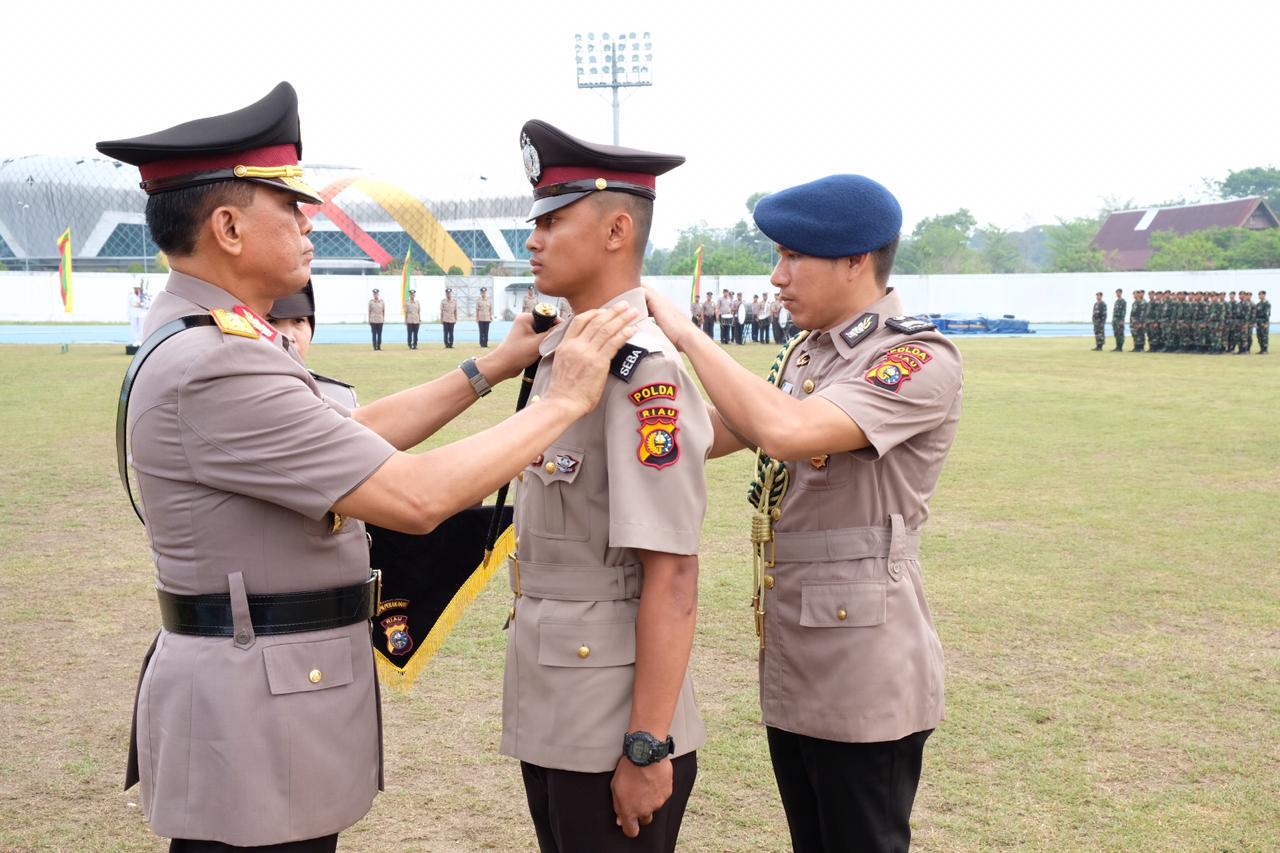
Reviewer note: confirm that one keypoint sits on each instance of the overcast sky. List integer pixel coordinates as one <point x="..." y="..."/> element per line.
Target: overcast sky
<point x="1019" y="111"/>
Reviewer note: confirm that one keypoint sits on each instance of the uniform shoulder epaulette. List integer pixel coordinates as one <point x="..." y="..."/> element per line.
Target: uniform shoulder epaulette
<point x="320" y="377"/>
<point x="628" y="358"/>
<point x="909" y="325"/>
<point x="233" y="324"/>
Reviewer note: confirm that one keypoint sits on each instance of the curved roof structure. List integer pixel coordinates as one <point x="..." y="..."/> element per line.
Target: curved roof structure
<point x="366" y="222"/>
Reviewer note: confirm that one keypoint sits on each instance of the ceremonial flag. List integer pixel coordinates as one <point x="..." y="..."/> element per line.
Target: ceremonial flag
<point x="404" y="281"/>
<point x="64" y="269"/>
<point x="697" y="275"/>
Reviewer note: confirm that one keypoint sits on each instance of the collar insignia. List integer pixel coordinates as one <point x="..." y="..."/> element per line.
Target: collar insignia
<point x="232" y="323"/>
<point x="260" y="325"/>
<point x="860" y="328"/>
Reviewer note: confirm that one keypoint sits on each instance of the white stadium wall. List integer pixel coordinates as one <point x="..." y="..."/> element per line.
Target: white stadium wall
<point x="1037" y="297"/>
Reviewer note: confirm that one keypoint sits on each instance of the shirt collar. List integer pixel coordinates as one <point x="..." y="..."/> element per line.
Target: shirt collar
<point x="633" y="297"/>
<point x="199" y="292"/>
<point x="889" y="305"/>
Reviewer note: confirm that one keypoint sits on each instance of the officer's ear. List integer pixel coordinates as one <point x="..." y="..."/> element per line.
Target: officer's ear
<point x="225" y="227"/>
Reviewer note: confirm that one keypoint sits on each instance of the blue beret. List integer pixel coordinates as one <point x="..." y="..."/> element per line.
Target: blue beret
<point x="832" y="217"/>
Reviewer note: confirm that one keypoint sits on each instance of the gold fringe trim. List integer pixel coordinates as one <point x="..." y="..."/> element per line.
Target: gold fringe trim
<point x="402" y="680"/>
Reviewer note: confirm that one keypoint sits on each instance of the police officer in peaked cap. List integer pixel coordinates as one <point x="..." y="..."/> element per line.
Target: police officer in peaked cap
<point x="256" y="721"/>
<point x="598" y="704"/>
<point x="851" y="434"/>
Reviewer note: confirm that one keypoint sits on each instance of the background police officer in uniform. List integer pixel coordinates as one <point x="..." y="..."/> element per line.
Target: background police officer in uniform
<point x="598" y="704"/>
<point x="412" y="318"/>
<point x="377" y="316"/>
<point x="852" y="441"/>
<point x="256" y="720"/>
<point x="484" y="316"/>
<point x="448" y="316"/>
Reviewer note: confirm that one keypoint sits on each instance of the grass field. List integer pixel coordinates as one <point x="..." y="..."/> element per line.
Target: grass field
<point x="1101" y="563"/>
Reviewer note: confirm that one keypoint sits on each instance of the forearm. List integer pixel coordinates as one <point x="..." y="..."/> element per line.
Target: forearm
<point x="664" y="639"/>
<point x="409" y="417"/>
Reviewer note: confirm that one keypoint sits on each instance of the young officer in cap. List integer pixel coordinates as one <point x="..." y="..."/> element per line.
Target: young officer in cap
<point x="851" y="442"/>
<point x="598" y="704"/>
<point x="484" y="316"/>
<point x="257" y="719"/>
<point x="412" y="318"/>
<point x="295" y="317"/>
<point x="448" y="316"/>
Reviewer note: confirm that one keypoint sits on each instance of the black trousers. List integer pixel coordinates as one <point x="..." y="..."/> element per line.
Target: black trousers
<point x="708" y="326"/>
<point x="484" y="332"/>
<point x="573" y="812"/>
<point x="726" y="331"/>
<point x="328" y="844"/>
<point x="847" y="796"/>
<point x="377" y="335"/>
<point x="448" y="334"/>
<point x="413" y="335"/>
<point x="737" y="332"/>
<point x="779" y="333"/>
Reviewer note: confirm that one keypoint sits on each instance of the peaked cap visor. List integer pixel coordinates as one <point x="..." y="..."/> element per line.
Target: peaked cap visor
<point x="266" y="135"/>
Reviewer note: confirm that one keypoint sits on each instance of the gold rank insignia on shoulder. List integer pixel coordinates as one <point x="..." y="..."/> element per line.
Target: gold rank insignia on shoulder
<point x="233" y="324"/>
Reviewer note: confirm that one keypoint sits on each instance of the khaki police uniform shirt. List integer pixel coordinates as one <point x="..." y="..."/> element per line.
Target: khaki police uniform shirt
<point x="629" y="475"/>
<point x="850" y="652"/>
<point x="725" y="309"/>
<point x="484" y="311"/>
<point x="239" y="460"/>
<point x="413" y="312"/>
<point x="530" y="300"/>
<point x="377" y="311"/>
<point x="448" y="311"/>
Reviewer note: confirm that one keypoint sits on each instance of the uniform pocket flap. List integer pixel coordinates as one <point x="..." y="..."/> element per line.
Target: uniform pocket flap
<point x="559" y="464"/>
<point x="317" y="665"/>
<point x="842" y="604"/>
<point x="585" y="644"/>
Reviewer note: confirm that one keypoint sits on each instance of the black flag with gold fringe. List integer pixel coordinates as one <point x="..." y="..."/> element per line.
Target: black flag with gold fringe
<point x="427" y="583"/>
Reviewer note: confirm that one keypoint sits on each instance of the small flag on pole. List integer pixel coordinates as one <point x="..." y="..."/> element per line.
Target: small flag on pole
<point x="697" y="275"/>
<point x="64" y="269"/>
<point x="404" y="280"/>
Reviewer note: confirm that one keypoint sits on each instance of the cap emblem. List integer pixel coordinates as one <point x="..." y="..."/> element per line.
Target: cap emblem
<point x="602" y="184"/>
<point x="532" y="162"/>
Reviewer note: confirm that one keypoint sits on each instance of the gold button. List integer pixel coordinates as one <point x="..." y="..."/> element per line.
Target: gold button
<point x="584" y="651"/>
<point x="520" y="476"/>
<point x="535" y="398"/>
<point x="842" y="614"/>
<point x="768" y="581"/>
<point x="550" y="467"/>
<point x="775" y="513"/>
<point x="315" y="676"/>
<point x="808" y="386"/>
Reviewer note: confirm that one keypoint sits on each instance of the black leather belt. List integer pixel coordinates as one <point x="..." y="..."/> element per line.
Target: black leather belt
<point x="277" y="613"/>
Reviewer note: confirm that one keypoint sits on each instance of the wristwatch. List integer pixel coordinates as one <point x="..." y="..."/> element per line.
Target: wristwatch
<point x="475" y="377"/>
<point x="644" y="749"/>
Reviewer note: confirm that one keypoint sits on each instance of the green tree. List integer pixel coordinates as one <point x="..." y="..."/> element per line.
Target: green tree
<point x="738" y="250"/>
<point x="1000" y="250"/>
<point x="1194" y="251"/>
<point x="1260" y="180"/>
<point x="1070" y="245"/>
<point x="940" y="244"/>
<point x="1257" y="250"/>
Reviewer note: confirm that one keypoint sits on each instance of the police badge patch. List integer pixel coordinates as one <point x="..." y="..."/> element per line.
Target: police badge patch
<point x="658" y="447"/>
<point x="397" y="629"/>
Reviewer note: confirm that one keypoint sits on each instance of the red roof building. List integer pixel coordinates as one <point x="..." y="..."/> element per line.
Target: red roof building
<point x="1126" y="235"/>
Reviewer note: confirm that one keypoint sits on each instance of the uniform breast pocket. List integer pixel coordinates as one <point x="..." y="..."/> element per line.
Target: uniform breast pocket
<point x="825" y="471"/>
<point x="843" y="604"/>
<point x="305" y="667"/>
<point x="558" y="510"/>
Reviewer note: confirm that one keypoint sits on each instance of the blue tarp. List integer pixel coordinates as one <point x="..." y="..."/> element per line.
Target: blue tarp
<point x="980" y="324"/>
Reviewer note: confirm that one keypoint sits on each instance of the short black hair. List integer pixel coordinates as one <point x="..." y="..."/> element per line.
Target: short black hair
<point x="638" y="207"/>
<point x="174" y="218"/>
<point x="882" y="261"/>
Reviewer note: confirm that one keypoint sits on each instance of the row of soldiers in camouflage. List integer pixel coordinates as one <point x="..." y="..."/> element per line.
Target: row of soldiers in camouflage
<point x="1201" y="321"/>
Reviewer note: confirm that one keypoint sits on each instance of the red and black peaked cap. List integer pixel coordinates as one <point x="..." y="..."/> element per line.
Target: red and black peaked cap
<point x="260" y="143"/>
<point x="563" y="168"/>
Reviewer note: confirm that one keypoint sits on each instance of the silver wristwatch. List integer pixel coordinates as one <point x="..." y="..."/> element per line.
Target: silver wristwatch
<point x="475" y="377"/>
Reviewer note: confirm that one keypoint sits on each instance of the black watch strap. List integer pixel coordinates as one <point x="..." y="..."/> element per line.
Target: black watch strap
<point x="475" y="377"/>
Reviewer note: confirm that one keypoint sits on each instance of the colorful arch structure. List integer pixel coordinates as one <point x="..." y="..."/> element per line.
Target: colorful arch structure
<point x="408" y="212"/>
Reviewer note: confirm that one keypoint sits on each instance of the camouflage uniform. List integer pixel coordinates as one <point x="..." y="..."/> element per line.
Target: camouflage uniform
<point x="1246" y="323"/>
<point x="1099" y="324"/>
<point x="1233" y="324"/>
<point x="1217" y="320"/>
<point x="1138" y="323"/>
<point x="1117" y="322"/>
<point x="1155" y="323"/>
<point x="1262" y="318"/>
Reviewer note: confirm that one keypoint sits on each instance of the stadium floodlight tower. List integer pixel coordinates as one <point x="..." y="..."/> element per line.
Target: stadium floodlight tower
<point x="26" y="237"/>
<point x="615" y="62"/>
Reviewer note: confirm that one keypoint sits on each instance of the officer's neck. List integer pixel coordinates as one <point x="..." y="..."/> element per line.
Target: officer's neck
<point x="866" y="291"/>
<point x="225" y="277"/>
<point x="604" y="288"/>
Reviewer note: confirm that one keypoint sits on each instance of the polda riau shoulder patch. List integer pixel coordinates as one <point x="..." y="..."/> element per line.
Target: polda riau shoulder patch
<point x="653" y="391"/>
<point x="909" y="325"/>
<point x="860" y="328"/>
<point x="658" y="447"/>
<point x="625" y="362"/>
<point x="232" y="323"/>
<point x="897" y="366"/>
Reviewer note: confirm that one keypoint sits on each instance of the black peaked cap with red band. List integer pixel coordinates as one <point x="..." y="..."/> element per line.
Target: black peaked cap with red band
<point x="260" y="143"/>
<point x="563" y="168"/>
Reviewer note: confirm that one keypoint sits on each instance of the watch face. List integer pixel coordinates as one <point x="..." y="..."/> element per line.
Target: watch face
<point x="638" y="751"/>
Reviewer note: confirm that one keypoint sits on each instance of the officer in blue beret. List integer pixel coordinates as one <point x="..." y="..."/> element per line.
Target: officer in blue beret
<point x="850" y="433"/>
